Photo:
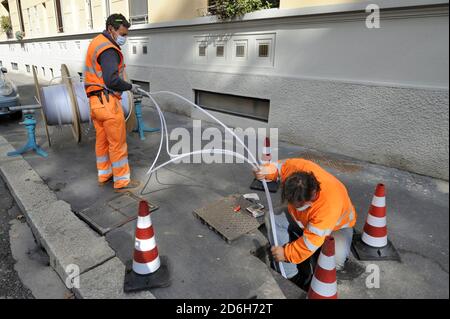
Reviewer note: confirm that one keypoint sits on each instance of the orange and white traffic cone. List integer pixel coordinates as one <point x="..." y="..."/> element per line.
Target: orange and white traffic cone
<point x="148" y="270"/>
<point x="324" y="282"/>
<point x="268" y="169"/>
<point x="374" y="243"/>
<point x="146" y="257"/>
<point x="266" y="157"/>
<point x="375" y="231"/>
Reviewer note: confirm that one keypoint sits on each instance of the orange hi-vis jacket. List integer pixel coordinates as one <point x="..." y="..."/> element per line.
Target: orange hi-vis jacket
<point x="332" y="211"/>
<point x="93" y="70"/>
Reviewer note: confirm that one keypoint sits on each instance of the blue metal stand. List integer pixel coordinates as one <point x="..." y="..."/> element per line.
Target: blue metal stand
<point x="30" y="125"/>
<point x="141" y="126"/>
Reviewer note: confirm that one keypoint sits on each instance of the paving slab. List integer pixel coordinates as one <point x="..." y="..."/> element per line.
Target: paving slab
<point x="106" y="282"/>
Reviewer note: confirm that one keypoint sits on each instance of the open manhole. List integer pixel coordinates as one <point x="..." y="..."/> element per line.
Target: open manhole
<point x="116" y="212"/>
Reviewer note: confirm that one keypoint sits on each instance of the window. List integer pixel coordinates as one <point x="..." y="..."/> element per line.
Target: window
<point x="241" y="50"/>
<point x="43" y="71"/>
<point x="220" y="51"/>
<point x="134" y="49"/>
<point x="52" y="73"/>
<point x="28" y="68"/>
<point x="78" y="44"/>
<point x="1" y="63"/>
<point x="138" y="11"/>
<point x="145" y="49"/>
<point x="263" y="51"/>
<point x="202" y="49"/>
<point x="14" y="66"/>
<point x="248" y="107"/>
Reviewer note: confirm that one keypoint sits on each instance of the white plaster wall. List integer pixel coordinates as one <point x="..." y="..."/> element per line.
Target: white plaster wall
<point x="376" y="95"/>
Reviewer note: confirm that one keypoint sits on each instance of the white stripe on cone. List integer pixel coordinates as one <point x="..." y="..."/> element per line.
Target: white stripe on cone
<point x="379" y="202"/>
<point x="376" y="221"/>
<point x="323" y="289"/>
<point x="266" y="150"/>
<point x="144" y="222"/>
<point x="327" y="263"/>
<point x="145" y="244"/>
<point x="148" y="268"/>
<point x="378" y="242"/>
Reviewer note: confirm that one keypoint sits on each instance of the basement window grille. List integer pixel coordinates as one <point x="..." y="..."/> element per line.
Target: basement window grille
<point x="220" y="51"/>
<point x="240" y="51"/>
<point x="14" y="66"/>
<point x="144" y="49"/>
<point x="28" y="68"/>
<point x="242" y="106"/>
<point x="1" y="63"/>
<point x="134" y="49"/>
<point x="263" y="50"/>
<point x="202" y="50"/>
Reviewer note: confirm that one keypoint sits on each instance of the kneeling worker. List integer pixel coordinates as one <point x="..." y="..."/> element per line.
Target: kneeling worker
<point x="104" y="72"/>
<point x="318" y="205"/>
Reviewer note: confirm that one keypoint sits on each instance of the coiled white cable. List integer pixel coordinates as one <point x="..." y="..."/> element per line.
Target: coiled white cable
<point x="253" y="162"/>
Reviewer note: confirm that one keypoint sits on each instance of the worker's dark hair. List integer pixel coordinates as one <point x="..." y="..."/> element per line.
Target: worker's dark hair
<point x="116" y="20"/>
<point x="300" y="187"/>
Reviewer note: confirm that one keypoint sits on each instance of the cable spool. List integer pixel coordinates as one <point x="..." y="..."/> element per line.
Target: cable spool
<point x="67" y="104"/>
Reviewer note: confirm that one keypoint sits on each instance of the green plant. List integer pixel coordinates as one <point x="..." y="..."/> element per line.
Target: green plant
<point x="229" y="9"/>
<point x="5" y="24"/>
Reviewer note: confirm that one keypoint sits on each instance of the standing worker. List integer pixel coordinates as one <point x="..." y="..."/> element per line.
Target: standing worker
<point x="318" y="205"/>
<point x="104" y="72"/>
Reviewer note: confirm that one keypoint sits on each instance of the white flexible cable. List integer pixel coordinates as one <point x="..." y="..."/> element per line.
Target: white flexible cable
<point x="254" y="164"/>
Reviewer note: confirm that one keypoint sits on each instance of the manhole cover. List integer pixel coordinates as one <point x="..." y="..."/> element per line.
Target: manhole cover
<point x="114" y="213"/>
<point x="221" y="217"/>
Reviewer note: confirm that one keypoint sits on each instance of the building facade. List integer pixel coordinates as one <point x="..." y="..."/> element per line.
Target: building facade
<point x="40" y="18"/>
<point x="320" y="74"/>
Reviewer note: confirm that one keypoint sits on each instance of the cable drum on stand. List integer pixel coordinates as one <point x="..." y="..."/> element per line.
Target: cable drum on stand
<point x="68" y="104"/>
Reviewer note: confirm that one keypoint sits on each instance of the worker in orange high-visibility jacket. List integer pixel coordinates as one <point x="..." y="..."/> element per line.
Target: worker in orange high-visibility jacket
<point x="104" y="70"/>
<point x="318" y="206"/>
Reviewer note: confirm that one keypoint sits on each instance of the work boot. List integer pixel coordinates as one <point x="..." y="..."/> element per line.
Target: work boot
<point x="133" y="185"/>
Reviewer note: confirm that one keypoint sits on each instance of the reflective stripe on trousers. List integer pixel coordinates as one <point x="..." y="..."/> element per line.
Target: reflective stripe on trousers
<point x="110" y="128"/>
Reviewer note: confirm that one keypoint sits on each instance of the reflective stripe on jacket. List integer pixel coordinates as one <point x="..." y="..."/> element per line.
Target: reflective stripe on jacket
<point x="332" y="211"/>
<point x="93" y="70"/>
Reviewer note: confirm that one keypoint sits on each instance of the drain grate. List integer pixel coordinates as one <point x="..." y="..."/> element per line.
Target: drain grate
<point x="116" y="212"/>
<point x="221" y="218"/>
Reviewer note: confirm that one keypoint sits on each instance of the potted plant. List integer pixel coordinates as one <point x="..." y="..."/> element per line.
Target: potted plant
<point x="5" y="26"/>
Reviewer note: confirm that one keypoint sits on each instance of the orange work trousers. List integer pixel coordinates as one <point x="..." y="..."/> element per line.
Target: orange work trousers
<point x="111" y="140"/>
